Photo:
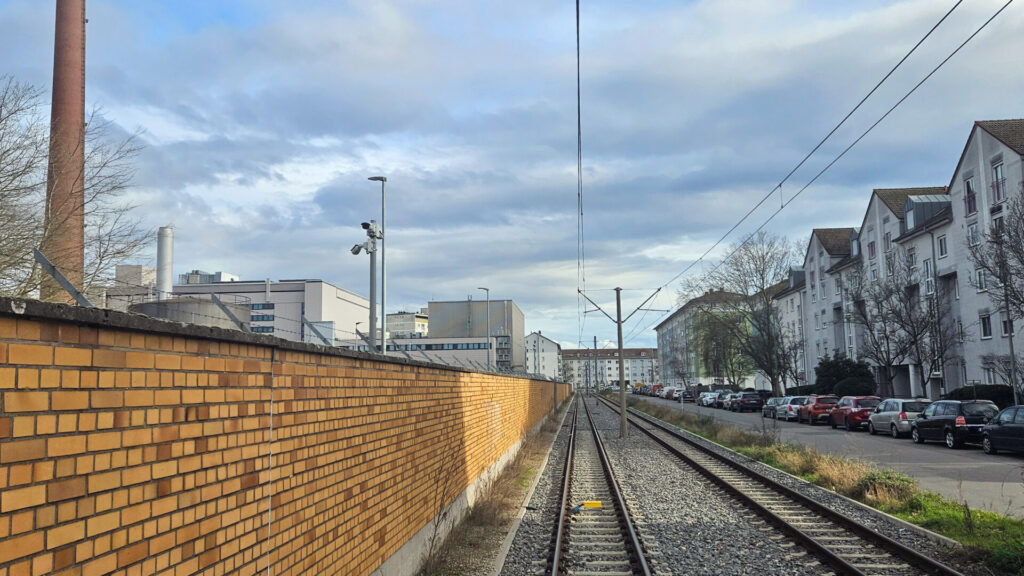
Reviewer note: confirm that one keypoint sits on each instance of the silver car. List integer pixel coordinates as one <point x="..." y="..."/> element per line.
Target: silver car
<point x="894" y="415"/>
<point x="789" y="409"/>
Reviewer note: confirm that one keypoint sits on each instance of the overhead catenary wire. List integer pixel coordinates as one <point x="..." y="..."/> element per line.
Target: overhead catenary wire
<point x="839" y="156"/>
<point x="581" y="273"/>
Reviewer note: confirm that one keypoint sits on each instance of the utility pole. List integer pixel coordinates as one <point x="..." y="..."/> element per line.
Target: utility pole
<point x="622" y="372"/>
<point x="618" y="320"/>
<point x="594" y="358"/>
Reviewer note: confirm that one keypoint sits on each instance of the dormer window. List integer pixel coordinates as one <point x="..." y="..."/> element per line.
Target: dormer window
<point x="910" y="219"/>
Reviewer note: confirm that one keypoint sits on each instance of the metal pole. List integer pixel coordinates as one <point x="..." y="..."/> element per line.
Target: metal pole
<point x="622" y="373"/>
<point x="1013" y="356"/>
<point x="593" y="355"/>
<point x="371" y="248"/>
<point x="488" y="292"/>
<point x="383" y="278"/>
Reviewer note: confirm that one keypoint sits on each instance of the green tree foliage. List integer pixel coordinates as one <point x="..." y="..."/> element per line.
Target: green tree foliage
<point x="832" y="370"/>
<point x="854" y="387"/>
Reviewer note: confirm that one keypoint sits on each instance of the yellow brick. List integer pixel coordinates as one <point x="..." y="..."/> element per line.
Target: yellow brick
<point x="103" y="523"/>
<point x="69" y="400"/>
<point x="20" y="547"/>
<point x="65" y="534"/>
<point x="65" y="446"/>
<point x="7" y="377"/>
<point x="138" y="360"/>
<point x="26" y="401"/>
<point x="104" y="441"/>
<point x="72" y="356"/>
<point x="30" y="354"/>
<point x="19" y="498"/>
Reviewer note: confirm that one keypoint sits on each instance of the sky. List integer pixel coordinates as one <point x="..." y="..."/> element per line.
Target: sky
<point x="262" y="121"/>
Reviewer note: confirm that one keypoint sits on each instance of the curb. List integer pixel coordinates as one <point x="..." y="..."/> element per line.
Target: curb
<point x="920" y="531"/>
<point x="506" y="545"/>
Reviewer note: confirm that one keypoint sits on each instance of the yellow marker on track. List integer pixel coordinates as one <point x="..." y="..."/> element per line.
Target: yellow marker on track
<point x="592" y="504"/>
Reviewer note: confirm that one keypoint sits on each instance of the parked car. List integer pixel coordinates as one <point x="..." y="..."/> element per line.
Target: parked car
<point x="895" y="415"/>
<point x="706" y="399"/>
<point x="729" y="399"/>
<point x="953" y="421"/>
<point x="721" y="399"/>
<point x="655" y="388"/>
<point x="789" y="409"/>
<point x="768" y="410"/>
<point x="686" y="396"/>
<point x="851" y="412"/>
<point x="746" y="401"/>
<point x="668" y="393"/>
<point x="816" y="409"/>
<point x="1004" y="432"/>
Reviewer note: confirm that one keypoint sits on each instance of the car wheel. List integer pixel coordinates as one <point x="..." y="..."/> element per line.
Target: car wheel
<point x="894" y="431"/>
<point x="986" y="445"/>
<point x="832" y="422"/>
<point x="951" y="440"/>
<point x="871" y="428"/>
<point x="918" y="439"/>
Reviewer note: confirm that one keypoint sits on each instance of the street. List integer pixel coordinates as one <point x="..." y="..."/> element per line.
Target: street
<point x="986" y="482"/>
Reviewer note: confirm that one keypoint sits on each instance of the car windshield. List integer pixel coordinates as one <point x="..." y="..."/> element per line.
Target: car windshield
<point x="868" y="402"/>
<point x="986" y="410"/>
<point x="799" y="401"/>
<point x="827" y="400"/>
<point x="751" y="395"/>
<point x="915" y="406"/>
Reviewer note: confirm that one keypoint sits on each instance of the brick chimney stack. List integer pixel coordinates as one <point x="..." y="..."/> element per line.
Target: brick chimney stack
<point x="64" y="242"/>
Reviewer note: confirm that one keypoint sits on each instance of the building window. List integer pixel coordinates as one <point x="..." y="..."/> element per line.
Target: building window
<point x="986" y="326"/>
<point x="262" y="306"/>
<point x="839" y="286"/>
<point x="998" y="184"/>
<point x="911" y="257"/>
<point x="990" y="375"/>
<point x="871" y="249"/>
<point x="887" y="241"/>
<point x="981" y="279"/>
<point x="960" y="330"/>
<point x="973" y="238"/>
<point x="262" y="318"/>
<point x="943" y="250"/>
<point x="890" y="264"/>
<point x="263" y="329"/>
<point x="910" y="219"/>
<point x="929" y="277"/>
<point x="874" y="273"/>
<point x="997" y="225"/>
<point x="970" y="197"/>
<point x="817" y="321"/>
<point x="1005" y="323"/>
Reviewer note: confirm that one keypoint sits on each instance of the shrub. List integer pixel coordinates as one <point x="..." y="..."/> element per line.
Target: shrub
<point x="885" y="486"/>
<point x="998" y="393"/>
<point x="854" y="387"/>
<point x="832" y="370"/>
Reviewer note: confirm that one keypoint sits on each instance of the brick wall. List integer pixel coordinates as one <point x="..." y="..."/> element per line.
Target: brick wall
<point x="136" y="447"/>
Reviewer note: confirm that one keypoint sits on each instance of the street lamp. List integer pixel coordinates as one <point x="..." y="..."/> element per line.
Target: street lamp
<point x="488" y="292"/>
<point x="383" y="271"/>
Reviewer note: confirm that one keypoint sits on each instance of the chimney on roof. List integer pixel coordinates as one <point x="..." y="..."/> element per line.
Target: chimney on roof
<point x="65" y="187"/>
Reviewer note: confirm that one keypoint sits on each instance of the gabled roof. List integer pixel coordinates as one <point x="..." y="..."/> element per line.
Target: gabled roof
<point x="844" y="263"/>
<point x="1009" y="132"/>
<point x="835" y="241"/>
<point x="896" y="198"/>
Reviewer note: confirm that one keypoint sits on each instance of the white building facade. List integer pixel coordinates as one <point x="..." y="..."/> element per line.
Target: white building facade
<point x="543" y="356"/>
<point x="586" y="368"/>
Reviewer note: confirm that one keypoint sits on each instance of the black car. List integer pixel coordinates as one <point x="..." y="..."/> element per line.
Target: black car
<point x="1004" y="432"/>
<point x="953" y="421"/>
<point x="746" y="401"/>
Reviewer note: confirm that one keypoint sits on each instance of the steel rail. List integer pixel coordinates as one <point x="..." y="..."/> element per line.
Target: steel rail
<point x="563" y="513"/>
<point x="634" y="541"/>
<point x="915" y="558"/>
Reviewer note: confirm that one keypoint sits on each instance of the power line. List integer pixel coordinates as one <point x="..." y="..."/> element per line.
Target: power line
<point x="838" y="157"/>
<point x="581" y="270"/>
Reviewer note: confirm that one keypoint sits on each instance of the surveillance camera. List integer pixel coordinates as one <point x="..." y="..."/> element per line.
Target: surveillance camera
<point x="366" y="225"/>
<point x="357" y="248"/>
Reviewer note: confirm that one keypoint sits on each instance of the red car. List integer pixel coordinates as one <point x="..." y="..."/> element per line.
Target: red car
<point x="852" y="412"/>
<point x="817" y="409"/>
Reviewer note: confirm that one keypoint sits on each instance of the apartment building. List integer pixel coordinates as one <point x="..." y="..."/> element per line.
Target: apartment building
<point x="474" y="318"/>
<point x="924" y="233"/>
<point x="586" y="368"/>
<point x="543" y="356"/>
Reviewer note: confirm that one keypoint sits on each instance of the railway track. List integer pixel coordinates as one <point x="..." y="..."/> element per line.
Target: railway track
<point x="595" y="539"/>
<point x="840" y="542"/>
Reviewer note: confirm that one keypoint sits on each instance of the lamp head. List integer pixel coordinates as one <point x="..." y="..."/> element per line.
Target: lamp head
<point x="356" y="249"/>
<point x="378" y="178"/>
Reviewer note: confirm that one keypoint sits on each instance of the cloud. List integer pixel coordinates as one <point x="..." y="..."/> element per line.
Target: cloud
<point x="262" y="122"/>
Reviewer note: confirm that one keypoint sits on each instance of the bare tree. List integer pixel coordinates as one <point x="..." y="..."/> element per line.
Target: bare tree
<point x="112" y="233"/>
<point x="999" y="255"/>
<point x="1002" y="366"/>
<point x="924" y="314"/>
<point x="756" y="270"/>
<point x="874" y="302"/>
<point x="791" y="351"/>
